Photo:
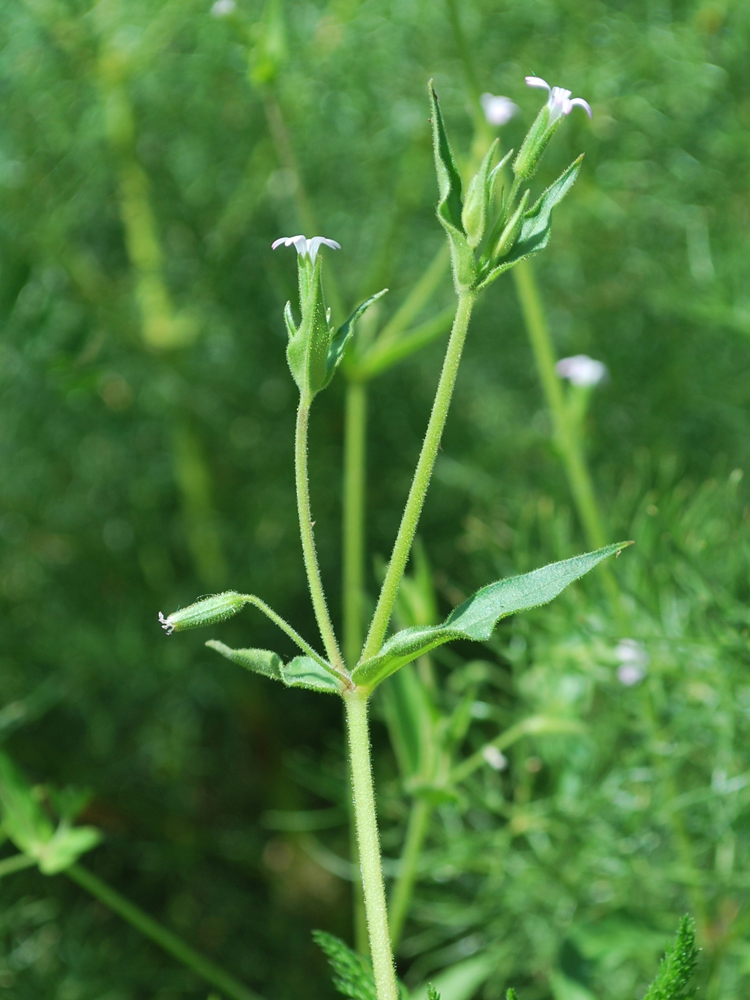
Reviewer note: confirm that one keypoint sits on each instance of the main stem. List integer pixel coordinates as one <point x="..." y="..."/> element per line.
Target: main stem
<point x="422" y="475"/>
<point x="312" y="569"/>
<point x="369" y="847"/>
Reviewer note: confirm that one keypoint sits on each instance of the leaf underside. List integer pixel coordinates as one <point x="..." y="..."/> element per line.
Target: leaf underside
<point x="476" y="618"/>
<point x="302" y="671"/>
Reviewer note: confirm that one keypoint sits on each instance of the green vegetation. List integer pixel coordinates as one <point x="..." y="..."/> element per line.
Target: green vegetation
<point x="553" y="795"/>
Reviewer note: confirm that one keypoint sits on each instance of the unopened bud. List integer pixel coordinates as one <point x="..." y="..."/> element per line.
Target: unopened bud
<point x="534" y="145"/>
<point x="208" y="611"/>
<point x="511" y="231"/>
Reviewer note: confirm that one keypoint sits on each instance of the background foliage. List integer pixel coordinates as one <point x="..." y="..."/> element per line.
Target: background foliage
<point x="147" y="159"/>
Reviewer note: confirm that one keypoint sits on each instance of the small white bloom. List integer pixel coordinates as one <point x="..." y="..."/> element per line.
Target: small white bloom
<point x="497" y="110"/>
<point x="633" y="661"/>
<point x="581" y="370"/>
<point x="559" y="102"/>
<point x="223" y="8"/>
<point x="305" y="247"/>
<point x="497" y="760"/>
<point x="166" y="624"/>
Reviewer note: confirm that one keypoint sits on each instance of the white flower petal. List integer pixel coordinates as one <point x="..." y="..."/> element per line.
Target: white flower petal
<point x="537" y="81"/>
<point x="582" y="104"/>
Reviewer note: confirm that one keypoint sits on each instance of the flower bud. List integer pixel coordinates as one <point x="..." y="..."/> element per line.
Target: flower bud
<point x="208" y="611"/>
<point x="534" y="145"/>
<point x="510" y="233"/>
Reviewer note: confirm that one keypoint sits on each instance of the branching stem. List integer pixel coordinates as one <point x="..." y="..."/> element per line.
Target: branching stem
<point x="422" y="475"/>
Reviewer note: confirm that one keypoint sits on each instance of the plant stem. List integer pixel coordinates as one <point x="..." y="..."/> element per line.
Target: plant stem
<point x="285" y="627"/>
<point x="568" y="442"/>
<point x="369" y="846"/>
<point x="312" y="569"/>
<point x="170" y="943"/>
<point x="419" y="821"/>
<point x="355" y="444"/>
<point x="16" y="863"/>
<point x="422" y="475"/>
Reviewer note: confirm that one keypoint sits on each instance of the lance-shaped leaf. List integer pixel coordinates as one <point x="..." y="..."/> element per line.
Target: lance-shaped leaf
<point x="343" y="336"/>
<point x="536" y="226"/>
<point x="450" y="205"/>
<point x="477" y="617"/>
<point x="302" y="671"/>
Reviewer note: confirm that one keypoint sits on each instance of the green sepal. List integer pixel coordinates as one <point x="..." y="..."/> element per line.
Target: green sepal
<point x="302" y="671"/>
<point x="477" y="617"/>
<point x="343" y="335"/>
<point x="533" y="146"/>
<point x="476" y="206"/>
<point x="307" y="350"/>
<point x="450" y="204"/>
<point x="29" y="828"/>
<point x="291" y="326"/>
<point x="536" y="226"/>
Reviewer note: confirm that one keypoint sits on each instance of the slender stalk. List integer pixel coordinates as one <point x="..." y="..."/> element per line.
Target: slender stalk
<point x="417" y="298"/>
<point x="285" y="627"/>
<point x="422" y="475"/>
<point x="419" y="821"/>
<point x="355" y="444"/>
<point x="355" y="455"/>
<point x="568" y="442"/>
<point x="166" y="940"/>
<point x="369" y="847"/>
<point x="308" y="539"/>
<point x="16" y="863"/>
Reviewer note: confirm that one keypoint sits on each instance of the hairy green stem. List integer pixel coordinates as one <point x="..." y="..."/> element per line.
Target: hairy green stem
<point x="419" y="821"/>
<point x="369" y="846"/>
<point x="312" y="569"/>
<point x="166" y="940"/>
<point x="355" y="444"/>
<point x="285" y="627"/>
<point x="422" y="475"/>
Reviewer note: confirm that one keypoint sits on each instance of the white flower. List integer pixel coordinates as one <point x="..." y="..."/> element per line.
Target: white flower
<point x="633" y="661"/>
<point x="497" y="760"/>
<point x="559" y="102"/>
<point x="223" y="8"/>
<point x="305" y="247"/>
<point x="497" y="110"/>
<point x="581" y="370"/>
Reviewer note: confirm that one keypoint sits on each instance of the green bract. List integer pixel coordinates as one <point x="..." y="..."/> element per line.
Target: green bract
<point x="302" y="671"/>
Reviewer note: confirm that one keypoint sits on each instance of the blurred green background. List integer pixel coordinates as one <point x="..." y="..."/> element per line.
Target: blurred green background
<point x="149" y="154"/>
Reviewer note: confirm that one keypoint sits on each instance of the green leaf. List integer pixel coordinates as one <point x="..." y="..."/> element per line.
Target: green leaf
<point x="462" y="980"/>
<point x="477" y="617"/>
<point x="23" y="819"/>
<point x="302" y="671"/>
<point x="66" y="846"/>
<point x="343" y="335"/>
<point x="536" y="227"/>
<point x="32" y="832"/>
<point x="450" y="204"/>
<point x="677" y="968"/>
<point x="352" y="974"/>
<point x="474" y="212"/>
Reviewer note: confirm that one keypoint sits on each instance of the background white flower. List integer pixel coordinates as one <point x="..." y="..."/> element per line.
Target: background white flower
<point x="633" y="661"/>
<point x="581" y="370"/>
<point x="497" y="110"/>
